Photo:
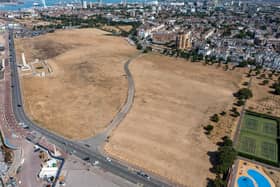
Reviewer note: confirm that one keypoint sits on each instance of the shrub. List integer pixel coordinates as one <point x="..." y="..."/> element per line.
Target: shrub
<point x="223" y="113"/>
<point x="209" y="129"/>
<point x="214" y="118"/>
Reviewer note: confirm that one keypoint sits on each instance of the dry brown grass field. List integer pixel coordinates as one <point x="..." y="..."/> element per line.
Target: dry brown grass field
<point x="117" y="29"/>
<point x="163" y="133"/>
<point x="126" y="28"/>
<point x="87" y="86"/>
<point x="263" y="100"/>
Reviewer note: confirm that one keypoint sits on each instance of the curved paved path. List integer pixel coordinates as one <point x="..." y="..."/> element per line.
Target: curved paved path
<point x="97" y="141"/>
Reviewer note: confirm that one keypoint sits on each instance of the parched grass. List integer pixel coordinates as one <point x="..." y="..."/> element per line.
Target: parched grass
<point x="258" y="137"/>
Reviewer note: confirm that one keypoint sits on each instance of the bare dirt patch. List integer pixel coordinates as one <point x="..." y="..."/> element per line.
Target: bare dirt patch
<point x="126" y="28"/>
<point x="87" y="86"/>
<point x="163" y="133"/>
<point x="117" y="29"/>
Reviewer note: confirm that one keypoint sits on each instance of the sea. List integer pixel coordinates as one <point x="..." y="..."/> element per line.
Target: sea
<point x="28" y="4"/>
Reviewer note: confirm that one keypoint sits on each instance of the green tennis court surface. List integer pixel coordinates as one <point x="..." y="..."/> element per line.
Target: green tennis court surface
<point x="258" y="137"/>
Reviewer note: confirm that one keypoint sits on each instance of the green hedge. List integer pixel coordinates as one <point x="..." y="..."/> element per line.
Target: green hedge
<point x="251" y="157"/>
<point x="263" y="116"/>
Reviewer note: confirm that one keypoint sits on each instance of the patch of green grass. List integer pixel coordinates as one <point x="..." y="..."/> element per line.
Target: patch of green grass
<point x="248" y="144"/>
<point x="258" y="137"/>
<point x="251" y="124"/>
<point x="269" y="150"/>
<point x="262" y="126"/>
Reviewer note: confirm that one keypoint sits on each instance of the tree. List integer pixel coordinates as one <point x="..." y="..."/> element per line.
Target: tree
<point x="240" y="102"/>
<point x="265" y="82"/>
<point x="277" y="90"/>
<point x="276" y="87"/>
<point x="219" y="182"/>
<point x="235" y="113"/>
<point x="226" y="157"/>
<point x="243" y="64"/>
<point x="209" y="129"/>
<point x="243" y="93"/>
<point x="227" y="141"/>
<point x="215" y="118"/>
<point x="223" y="113"/>
<point x="139" y="46"/>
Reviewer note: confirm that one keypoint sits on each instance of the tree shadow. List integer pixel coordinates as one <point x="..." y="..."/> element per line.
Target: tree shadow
<point x="210" y="182"/>
<point x="272" y="92"/>
<point x="213" y="158"/>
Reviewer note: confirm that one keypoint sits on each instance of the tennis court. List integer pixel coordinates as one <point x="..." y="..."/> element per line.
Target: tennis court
<point x="258" y="137"/>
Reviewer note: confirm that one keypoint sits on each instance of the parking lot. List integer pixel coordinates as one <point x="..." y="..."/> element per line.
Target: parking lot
<point x="82" y="173"/>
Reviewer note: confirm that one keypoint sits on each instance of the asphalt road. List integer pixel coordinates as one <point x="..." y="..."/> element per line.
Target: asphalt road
<point x="80" y="149"/>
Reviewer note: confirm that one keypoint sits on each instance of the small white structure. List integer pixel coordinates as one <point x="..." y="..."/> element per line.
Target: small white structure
<point x="48" y="172"/>
<point x="51" y="163"/>
<point x="25" y="66"/>
<point x="3" y="64"/>
<point x="49" y="169"/>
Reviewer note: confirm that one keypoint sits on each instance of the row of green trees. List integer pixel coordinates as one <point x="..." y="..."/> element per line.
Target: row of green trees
<point x="226" y="153"/>
<point x="276" y="87"/>
<point x="225" y="158"/>
<point x="75" y="21"/>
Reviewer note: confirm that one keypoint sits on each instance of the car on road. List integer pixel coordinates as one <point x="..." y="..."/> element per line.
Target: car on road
<point x="87" y="145"/>
<point x="108" y="159"/>
<point x="72" y="152"/>
<point x="142" y="174"/>
<point x="95" y="163"/>
<point x="23" y="125"/>
<point x="36" y="148"/>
